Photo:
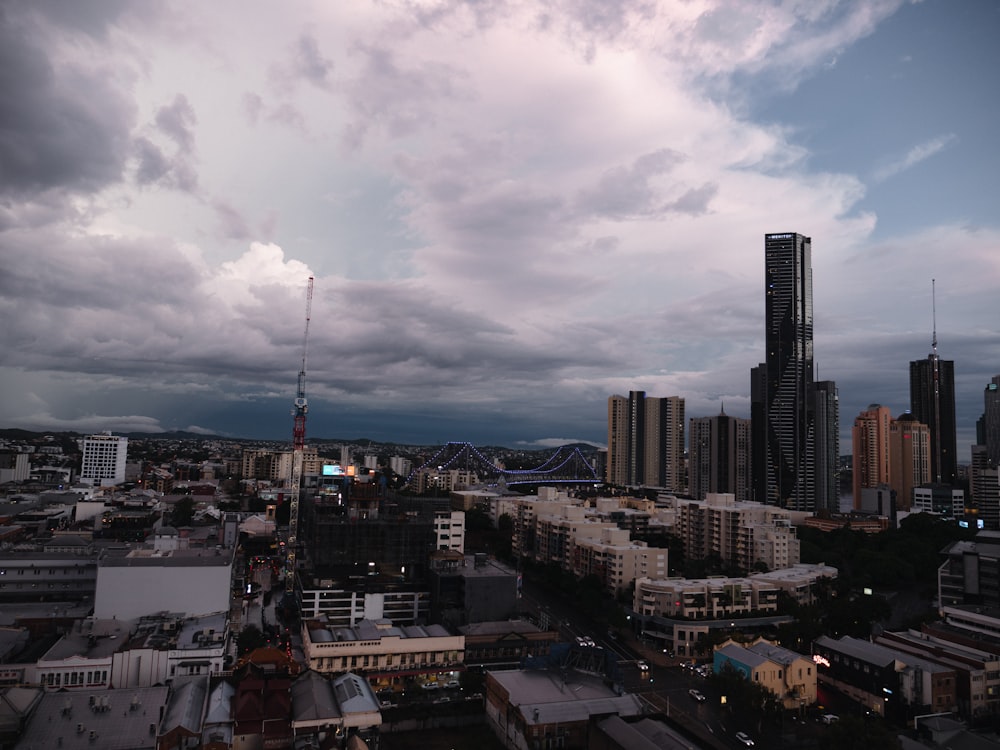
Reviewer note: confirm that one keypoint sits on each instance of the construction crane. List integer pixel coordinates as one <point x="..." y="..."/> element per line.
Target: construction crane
<point x="299" y="410"/>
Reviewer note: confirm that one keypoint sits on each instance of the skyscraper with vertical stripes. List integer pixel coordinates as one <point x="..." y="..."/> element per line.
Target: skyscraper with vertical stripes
<point x="787" y="408"/>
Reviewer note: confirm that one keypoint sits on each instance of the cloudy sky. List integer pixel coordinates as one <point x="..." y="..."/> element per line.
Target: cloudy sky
<point x="512" y="210"/>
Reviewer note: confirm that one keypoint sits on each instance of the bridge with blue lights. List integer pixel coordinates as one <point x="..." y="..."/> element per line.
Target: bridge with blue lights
<point x="565" y="466"/>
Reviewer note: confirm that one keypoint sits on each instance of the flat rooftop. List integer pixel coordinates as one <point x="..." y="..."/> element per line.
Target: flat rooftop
<point x="177" y="558"/>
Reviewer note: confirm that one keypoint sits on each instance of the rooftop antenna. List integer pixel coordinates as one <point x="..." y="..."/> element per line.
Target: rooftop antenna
<point x="933" y="317"/>
<point x="936" y="375"/>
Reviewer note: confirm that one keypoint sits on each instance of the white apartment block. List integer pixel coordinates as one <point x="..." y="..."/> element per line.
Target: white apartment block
<point x="741" y="533"/>
<point x="449" y="530"/>
<point x="14" y="466"/>
<point x="721" y="597"/>
<point x="924" y="502"/>
<point x="443" y="480"/>
<point x="569" y="534"/>
<point x="617" y="560"/>
<point x="276" y="466"/>
<point x="400" y="466"/>
<point x="104" y="458"/>
<point x="380" y="650"/>
<point x="345" y="608"/>
<point x="704" y="598"/>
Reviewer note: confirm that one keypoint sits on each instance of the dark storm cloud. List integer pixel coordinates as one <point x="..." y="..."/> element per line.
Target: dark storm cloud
<point x="153" y="165"/>
<point x="92" y="17"/>
<point x="177" y="120"/>
<point x="310" y="62"/>
<point x="67" y="130"/>
<point x="174" y="122"/>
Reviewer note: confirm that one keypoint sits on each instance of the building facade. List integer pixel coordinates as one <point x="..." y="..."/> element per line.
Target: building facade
<point x="646" y="441"/>
<point x="104" y="458"/>
<point x="385" y="654"/>
<point x="826" y="411"/>
<point x="719" y="458"/>
<point x="932" y="402"/>
<point x="870" y="443"/>
<point x="988" y="426"/>
<point x="741" y="534"/>
<point x="790" y="443"/>
<point x="909" y="458"/>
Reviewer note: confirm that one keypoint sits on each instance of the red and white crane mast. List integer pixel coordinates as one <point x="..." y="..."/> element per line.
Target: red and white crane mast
<point x="299" y="410"/>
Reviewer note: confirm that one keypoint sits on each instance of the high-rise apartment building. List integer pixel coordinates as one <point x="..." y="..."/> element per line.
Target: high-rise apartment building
<point x="988" y="426"/>
<point x="932" y="401"/>
<point x="758" y="433"/>
<point x="618" y="442"/>
<point x="826" y="418"/>
<point x="664" y="452"/>
<point x="909" y="458"/>
<point x="984" y="483"/>
<point x="646" y="441"/>
<point x="719" y="456"/>
<point x="104" y="458"/>
<point x="870" y="442"/>
<point x="788" y="386"/>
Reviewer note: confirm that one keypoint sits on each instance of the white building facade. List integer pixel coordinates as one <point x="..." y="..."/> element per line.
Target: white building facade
<point x="104" y="458"/>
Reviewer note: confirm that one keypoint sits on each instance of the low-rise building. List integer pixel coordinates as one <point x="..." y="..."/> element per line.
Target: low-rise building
<point x="884" y="680"/>
<point x="789" y="676"/>
<point x="538" y="708"/>
<point x="138" y="653"/>
<point x="385" y="654"/>
<point x="139" y="582"/>
<point x="88" y="719"/>
<point x="505" y="644"/>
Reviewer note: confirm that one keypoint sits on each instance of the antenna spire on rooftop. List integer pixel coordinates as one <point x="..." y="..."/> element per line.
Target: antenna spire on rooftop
<point x="934" y="317"/>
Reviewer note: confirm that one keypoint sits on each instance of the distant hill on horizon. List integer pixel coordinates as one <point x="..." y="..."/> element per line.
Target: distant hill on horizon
<point x="15" y="433"/>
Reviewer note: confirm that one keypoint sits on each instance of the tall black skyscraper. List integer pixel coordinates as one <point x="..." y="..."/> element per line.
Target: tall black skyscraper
<point x="826" y="418"/>
<point x="932" y="402"/>
<point x="788" y="394"/>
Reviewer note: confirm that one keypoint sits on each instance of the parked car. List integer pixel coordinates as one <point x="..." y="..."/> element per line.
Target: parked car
<point x="451" y="684"/>
<point x="429" y="686"/>
<point x="745" y="739"/>
<point x="829" y="718"/>
<point x="697" y="695"/>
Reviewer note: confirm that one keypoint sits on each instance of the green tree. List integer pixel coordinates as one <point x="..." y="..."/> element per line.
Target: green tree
<point x="182" y="513"/>
<point x="249" y="639"/>
<point x="855" y="732"/>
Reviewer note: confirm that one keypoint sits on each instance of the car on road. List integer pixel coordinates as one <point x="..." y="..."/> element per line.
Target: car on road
<point x="697" y="695"/>
<point x="451" y="684"/>
<point x="744" y="738"/>
<point x="430" y="686"/>
<point x="643" y="666"/>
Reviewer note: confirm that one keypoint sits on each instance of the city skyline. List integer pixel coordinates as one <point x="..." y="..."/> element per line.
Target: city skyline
<point x="510" y="213"/>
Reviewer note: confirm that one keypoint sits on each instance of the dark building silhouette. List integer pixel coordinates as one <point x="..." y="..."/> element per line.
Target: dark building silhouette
<point x="788" y="382"/>
<point x="988" y="426"/>
<point x="646" y="441"/>
<point x="932" y="402"/>
<point x="826" y="418"/>
<point x="359" y="534"/>
<point x="719" y="456"/>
